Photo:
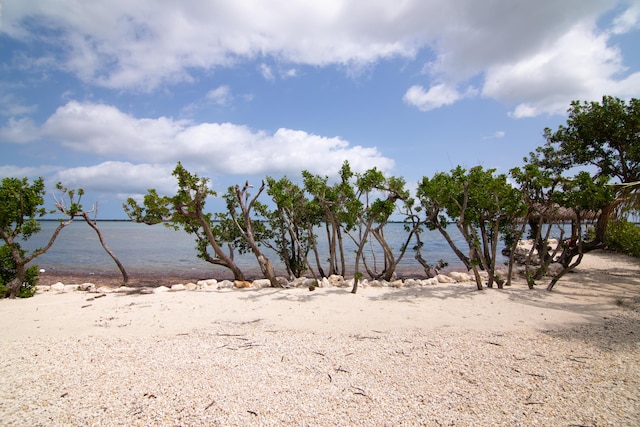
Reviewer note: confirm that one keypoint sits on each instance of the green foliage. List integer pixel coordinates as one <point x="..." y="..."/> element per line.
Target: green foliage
<point x="481" y="203"/>
<point x="605" y="135"/>
<point x="8" y="273"/>
<point x="185" y="210"/>
<point x="292" y="221"/>
<point x="375" y="200"/>
<point x="624" y="236"/>
<point x="339" y="208"/>
<point x="20" y="207"/>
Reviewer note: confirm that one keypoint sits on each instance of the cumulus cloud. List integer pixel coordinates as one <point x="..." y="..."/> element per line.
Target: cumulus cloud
<point x="119" y="177"/>
<point x="436" y="97"/>
<point x="506" y="44"/>
<point x="579" y="65"/>
<point x="138" y="44"/>
<point x="13" y="171"/>
<point x="220" y="147"/>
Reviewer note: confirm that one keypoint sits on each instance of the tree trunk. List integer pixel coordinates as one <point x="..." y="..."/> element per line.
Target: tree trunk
<point x="249" y="235"/>
<point x="363" y="240"/>
<point x="13" y="287"/>
<point x="226" y="261"/>
<point x="462" y="257"/>
<point x="316" y="255"/>
<point x="125" y="276"/>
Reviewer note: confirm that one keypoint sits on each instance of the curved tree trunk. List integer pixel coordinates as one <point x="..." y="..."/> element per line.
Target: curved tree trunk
<point x="225" y="260"/>
<point x="125" y="276"/>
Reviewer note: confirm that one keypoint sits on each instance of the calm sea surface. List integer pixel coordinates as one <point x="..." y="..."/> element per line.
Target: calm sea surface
<point x="160" y="250"/>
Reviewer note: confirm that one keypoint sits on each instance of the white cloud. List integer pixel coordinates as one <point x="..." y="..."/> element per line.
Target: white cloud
<point x="219" y="147"/>
<point x="119" y="177"/>
<point x="579" y="65"/>
<point x="436" y="97"/>
<point x="103" y="129"/>
<point x="627" y="21"/>
<point x="291" y="72"/>
<point x="19" y="131"/>
<point x="266" y="72"/>
<point x="141" y="45"/>
<point x="496" y="135"/>
<point x="31" y="172"/>
<point x="220" y="95"/>
<point x="11" y="107"/>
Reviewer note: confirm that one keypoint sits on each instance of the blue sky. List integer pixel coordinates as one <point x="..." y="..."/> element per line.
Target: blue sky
<point x="108" y="96"/>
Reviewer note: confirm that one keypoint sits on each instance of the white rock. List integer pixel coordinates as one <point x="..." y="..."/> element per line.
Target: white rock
<point x="412" y="283"/>
<point x="431" y="281"/>
<point x="554" y="268"/>
<point x="160" y="289"/>
<point x="124" y="290"/>
<point x="310" y="282"/>
<point x="104" y="290"/>
<point x="396" y="284"/>
<point x="283" y="282"/>
<point x="297" y="281"/>
<point x="58" y="287"/>
<point x="225" y="284"/>
<point x="207" y="282"/>
<point x="261" y="283"/>
<point x="445" y="279"/>
<point x="336" y="280"/>
<point x="71" y="288"/>
<point x="191" y="286"/>
<point x="178" y="287"/>
<point x="460" y="276"/>
<point x="324" y="283"/>
<point x="87" y="287"/>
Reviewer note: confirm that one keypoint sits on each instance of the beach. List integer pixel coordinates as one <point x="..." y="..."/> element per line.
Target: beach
<point x="439" y="355"/>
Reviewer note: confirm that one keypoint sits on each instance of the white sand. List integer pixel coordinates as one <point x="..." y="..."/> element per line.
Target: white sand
<point x="441" y="355"/>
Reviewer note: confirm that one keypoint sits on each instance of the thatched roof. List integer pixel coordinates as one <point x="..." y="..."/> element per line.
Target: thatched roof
<point x="558" y="213"/>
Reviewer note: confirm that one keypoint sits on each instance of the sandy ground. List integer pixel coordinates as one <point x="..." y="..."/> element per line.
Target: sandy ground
<point x="595" y="291"/>
<point x="591" y="320"/>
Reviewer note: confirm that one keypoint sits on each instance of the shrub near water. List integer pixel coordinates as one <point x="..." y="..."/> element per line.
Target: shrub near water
<point x="8" y="273"/>
<point x="624" y="236"/>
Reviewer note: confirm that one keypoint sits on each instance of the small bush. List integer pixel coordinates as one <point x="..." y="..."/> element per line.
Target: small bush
<point x="8" y="273"/>
<point x="624" y="236"/>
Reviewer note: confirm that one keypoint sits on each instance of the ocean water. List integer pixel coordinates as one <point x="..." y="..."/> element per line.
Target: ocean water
<point x="144" y="249"/>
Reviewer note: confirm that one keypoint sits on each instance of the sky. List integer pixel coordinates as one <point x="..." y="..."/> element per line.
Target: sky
<point x="109" y="96"/>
